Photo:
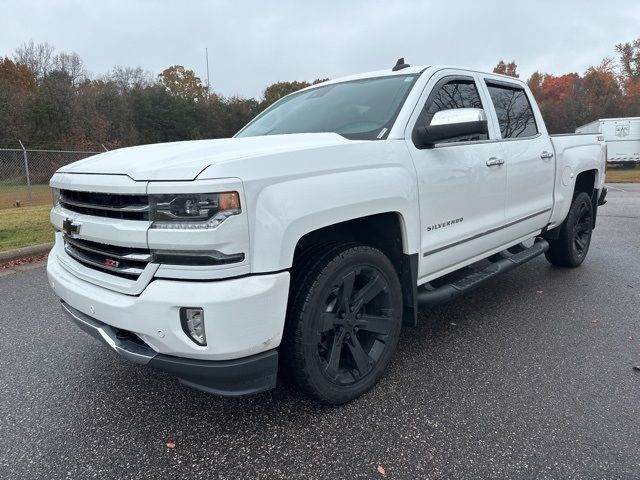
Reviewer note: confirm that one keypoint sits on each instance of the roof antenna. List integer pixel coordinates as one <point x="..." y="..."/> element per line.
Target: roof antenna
<point x="400" y="65"/>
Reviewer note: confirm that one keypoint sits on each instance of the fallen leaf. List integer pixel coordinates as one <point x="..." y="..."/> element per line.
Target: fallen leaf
<point x="171" y="445"/>
<point x="381" y="470"/>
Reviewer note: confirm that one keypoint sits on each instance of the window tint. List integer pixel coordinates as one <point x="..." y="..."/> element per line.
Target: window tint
<point x="460" y="93"/>
<point x="514" y="112"/>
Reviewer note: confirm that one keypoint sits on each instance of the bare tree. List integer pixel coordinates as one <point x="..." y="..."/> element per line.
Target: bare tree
<point x="72" y="65"/>
<point x="39" y="58"/>
<point x="127" y="78"/>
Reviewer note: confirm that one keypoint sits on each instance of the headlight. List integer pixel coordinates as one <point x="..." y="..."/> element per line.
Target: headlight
<point x="193" y="211"/>
<point x="55" y="196"/>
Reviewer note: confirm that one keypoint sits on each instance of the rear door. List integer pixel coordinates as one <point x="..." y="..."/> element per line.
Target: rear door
<point x="528" y="155"/>
<point x="461" y="182"/>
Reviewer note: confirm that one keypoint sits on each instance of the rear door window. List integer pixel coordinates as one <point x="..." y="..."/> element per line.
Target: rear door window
<point x="514" y="112"/>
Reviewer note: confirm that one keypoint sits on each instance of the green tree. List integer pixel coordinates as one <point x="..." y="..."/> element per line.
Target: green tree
<point x="17" y="89"/>
<point x="276" y="91"/>
<point x="629" y="53"/>
<point x="53" y="110"/>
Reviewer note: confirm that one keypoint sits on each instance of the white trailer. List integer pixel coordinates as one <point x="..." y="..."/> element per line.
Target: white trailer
<point x="622" y="136"/>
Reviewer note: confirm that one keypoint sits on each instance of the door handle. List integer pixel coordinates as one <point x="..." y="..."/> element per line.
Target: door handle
<point x="493" y="161"/>
<point x="544" y="155"/>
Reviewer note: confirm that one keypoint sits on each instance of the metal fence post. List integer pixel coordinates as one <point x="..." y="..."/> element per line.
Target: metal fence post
<point x="26" y="170"/>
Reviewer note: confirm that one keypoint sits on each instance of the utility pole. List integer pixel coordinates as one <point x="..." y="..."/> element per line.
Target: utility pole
<point x="206" y="53"/>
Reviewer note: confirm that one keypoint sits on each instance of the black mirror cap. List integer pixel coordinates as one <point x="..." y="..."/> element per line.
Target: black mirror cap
<point x="427" y="137"/>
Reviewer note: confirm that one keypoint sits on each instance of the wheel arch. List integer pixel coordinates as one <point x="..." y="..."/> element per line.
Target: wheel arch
<point x="585" y="181"/>
<point x="385" y="231"/>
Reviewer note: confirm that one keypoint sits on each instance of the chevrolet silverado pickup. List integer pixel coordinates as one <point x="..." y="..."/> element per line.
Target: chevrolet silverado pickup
<point x="305" y="243"/>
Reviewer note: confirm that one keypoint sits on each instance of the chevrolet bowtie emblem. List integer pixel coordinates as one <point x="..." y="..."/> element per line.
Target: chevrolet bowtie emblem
<point x="70" y="228"/>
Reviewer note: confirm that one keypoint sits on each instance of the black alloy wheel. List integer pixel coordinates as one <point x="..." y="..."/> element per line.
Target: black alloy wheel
<point x="582" y="229"/>
<point x="354" y="324"/>
<point x="343" y="321"/>
<point x="570" y="247"/>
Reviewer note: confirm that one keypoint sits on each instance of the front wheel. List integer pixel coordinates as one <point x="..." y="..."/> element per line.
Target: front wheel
<point x="343" y="322"/>
<point x="571" y="247"/>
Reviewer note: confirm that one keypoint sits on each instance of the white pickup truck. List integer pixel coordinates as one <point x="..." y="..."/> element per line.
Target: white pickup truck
<point x="309" y="239"/>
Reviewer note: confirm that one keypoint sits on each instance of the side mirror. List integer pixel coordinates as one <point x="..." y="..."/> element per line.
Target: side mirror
<point x="458" y="123"/>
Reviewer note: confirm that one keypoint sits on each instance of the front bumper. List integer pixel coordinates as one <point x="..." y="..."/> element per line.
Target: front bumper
<point x="227" y="377"/>
<point x="244" y="322"/>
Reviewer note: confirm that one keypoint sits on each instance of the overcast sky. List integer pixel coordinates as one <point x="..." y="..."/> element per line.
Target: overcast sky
<point x="255" y="43"/>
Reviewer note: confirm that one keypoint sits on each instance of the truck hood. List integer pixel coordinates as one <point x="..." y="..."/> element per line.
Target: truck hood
<point x="185" y="160"/>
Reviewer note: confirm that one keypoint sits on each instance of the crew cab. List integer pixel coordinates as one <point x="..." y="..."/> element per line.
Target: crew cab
<point x="310" y="239"/>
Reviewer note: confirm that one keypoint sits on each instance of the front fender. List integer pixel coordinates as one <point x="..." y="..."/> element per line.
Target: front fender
<point x="286" y="211"/>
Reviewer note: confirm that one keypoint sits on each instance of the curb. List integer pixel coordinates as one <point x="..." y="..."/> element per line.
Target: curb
<point x="24" y="252"/>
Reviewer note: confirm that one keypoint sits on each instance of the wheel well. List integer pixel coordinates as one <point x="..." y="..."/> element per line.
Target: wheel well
<point x="585" y="182"/>
<point x="383" y="231"/>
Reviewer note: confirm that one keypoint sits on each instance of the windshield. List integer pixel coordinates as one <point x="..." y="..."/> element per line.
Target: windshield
<point x="359" y="109"/>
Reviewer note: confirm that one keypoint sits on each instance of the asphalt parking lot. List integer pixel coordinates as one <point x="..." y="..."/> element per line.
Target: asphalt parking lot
<point x="529" y="376"/>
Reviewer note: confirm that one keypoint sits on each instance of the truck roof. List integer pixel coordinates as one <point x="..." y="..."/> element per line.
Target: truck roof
<point x="408" y="71"/>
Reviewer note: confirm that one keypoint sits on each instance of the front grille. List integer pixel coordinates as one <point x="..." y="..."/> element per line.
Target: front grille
<point x="122" y="261"/>
<point x="110" y="205"/>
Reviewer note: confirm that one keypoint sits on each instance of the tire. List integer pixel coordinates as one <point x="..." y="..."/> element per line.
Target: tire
<point x="572" y="245"/>
<point x="343" y="321"/>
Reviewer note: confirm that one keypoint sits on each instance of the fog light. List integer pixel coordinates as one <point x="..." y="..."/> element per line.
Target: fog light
<point x="192" y="320"/>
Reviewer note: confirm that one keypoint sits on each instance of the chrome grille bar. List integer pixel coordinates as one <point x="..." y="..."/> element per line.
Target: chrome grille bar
<point x="134" y="257"/>
<point x="117" y="260"/>
<point x="111" y="205"/>
<point x="125" y="208"/>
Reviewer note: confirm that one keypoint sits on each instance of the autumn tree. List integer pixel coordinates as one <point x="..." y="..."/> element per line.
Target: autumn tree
<point x="276" y="91"/>
<point x="182" y="82"/>
<point x="559" y="99"/>
<point x="509" y="69"/>
<point x="535" y="84"/>
<point x="601" y="90"/>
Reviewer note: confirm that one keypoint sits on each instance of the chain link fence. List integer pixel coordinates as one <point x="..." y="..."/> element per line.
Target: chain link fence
<point x="25" y="174"/>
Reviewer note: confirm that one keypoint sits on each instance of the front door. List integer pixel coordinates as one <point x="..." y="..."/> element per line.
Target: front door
<point x="461" y="182"/>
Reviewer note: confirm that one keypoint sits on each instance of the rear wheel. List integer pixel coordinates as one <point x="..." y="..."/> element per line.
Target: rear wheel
<point x="571" y="247"/>
<point x="343" y="323"/>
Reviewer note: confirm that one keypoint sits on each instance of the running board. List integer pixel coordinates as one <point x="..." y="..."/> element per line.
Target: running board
<point x="500" y="264"/>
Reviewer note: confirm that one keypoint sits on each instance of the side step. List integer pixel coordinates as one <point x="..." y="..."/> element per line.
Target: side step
<point x="500" y="264"/>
